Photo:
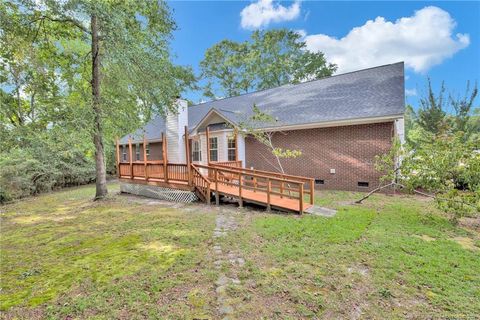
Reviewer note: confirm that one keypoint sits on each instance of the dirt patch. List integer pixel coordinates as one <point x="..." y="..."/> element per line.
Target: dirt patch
<point x="466" y="243"/>
<point x="425" y="237"/>
<point x="470" y="223"/>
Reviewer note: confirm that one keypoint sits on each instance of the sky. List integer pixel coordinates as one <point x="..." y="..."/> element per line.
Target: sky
<point x="436" y="40"/>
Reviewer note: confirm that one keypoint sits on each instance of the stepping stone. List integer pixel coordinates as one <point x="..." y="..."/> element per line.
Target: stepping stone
<point x="222" y="280"/>
<point x="225" y="310"/>
<point x="321" y="211"/>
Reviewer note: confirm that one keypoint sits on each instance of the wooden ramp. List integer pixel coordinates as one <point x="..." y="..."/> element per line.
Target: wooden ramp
<point x="270" y="189"/>
<point x="273" y="190"/>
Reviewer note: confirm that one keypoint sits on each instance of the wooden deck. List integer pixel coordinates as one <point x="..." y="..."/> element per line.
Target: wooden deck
<point x="270" y="189"/>
<point x="261" y="198"/>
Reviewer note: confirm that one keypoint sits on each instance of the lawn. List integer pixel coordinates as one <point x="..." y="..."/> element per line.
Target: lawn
<point x="64" y="256"/>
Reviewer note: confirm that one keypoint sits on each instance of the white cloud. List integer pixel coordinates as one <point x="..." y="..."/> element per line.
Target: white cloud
<point x="263" y="12"/>
<point x="411" y="92"/>
<point x="422" y="40"/>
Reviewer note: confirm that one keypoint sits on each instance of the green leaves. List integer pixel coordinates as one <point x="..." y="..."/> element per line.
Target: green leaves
<point x="269" y="59"/>
<point x="46" y="73"/>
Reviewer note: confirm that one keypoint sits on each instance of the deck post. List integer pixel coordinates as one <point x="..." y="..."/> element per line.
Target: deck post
<point x="145" y="164"/>
<point x="208" y="194"/>
<point x="131" y="157"/>
<point x="300" y="194"/>
<point x="207" y="136"/>
<point x="187" y="157"/>
<point x="240" y="200"/>
<point x="312" y="192"/>
<point x="269" y="189"/>
<point x="217" y="196"/>
<point x="164" y="156"/>
<point x="281" y="189"/>
<point x="118" y="157"/>
<point x="236" y="143"/>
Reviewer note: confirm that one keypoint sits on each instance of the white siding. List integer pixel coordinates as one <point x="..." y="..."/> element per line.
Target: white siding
<point x="400" y="129"/>
<point x="175" y="125"/>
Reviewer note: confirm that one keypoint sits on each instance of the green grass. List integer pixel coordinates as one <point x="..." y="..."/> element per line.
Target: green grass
<point x="110" y="258"/>
<point x="63" y="255"/>
<point x="387" y="258"/>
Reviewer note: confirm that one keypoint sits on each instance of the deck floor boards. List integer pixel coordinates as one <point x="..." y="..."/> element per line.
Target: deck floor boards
<point x="260" y="197"/>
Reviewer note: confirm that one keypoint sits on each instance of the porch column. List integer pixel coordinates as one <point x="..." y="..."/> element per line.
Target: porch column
<point x="207" y="134"/>
<point x="131" y="157"/>
<point x="164" y="156"/>
<point x="145" y="157"/>
<point x="187" y="156"/>
<point x="118" y="157"/>
<point x="235" y="132"/>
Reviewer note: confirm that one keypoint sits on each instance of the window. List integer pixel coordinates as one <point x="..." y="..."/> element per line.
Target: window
<point x="232" y="154"/>
<point x="124" y="153"/>
<point x="214" y="149"/>
<point x="137" y="152"/>
<point x="319" y="181"/>
<point x="362" y="184"/>
<point x="196" y="152"/>
<point x="147" y="150"/>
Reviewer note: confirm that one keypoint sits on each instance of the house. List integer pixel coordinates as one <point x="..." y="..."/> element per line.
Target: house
<point x="339" y="123"/>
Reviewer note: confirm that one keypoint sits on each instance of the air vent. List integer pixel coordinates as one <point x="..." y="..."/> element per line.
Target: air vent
<point x="362" y="184"/>
<point x="319" y="181"/>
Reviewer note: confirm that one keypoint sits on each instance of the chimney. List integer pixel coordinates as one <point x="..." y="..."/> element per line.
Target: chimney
<point x="175" y="124"/>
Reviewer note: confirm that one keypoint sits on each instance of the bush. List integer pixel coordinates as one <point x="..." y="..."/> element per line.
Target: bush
<point x="31" y="171"/>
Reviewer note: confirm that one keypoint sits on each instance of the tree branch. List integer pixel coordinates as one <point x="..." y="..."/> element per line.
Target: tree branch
<point x="76" y="23"/>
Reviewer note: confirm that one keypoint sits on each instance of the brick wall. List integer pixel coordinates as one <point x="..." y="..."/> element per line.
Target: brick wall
<point x="350" y="150"/>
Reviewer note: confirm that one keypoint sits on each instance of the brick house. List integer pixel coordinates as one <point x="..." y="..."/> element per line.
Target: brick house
<point x="339" y="123"/>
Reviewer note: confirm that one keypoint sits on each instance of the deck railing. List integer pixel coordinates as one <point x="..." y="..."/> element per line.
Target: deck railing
<point x="230" y="164"/>
<point x="201" y="183"/>
<point x="154" y="170"/>
<point x="308" y="183"/>
<point x="270" y="188"/>
<point x="264" y="184"/>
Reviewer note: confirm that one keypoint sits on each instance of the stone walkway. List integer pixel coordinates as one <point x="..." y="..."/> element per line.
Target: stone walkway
<point x="226" y="261"/>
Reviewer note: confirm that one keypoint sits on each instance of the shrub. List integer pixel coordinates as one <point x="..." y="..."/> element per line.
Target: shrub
<point x="30" y="171"/>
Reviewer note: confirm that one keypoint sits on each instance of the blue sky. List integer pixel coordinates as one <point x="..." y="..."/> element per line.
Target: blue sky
<point x="440" y="40"/>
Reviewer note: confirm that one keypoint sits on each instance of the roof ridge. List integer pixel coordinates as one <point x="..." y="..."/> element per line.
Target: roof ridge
<point x="296" y="84"/>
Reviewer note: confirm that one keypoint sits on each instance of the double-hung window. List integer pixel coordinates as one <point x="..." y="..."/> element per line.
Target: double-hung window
<point x="147" y="150"/>
<point x="137" y="152"/>
<point x="232" y="154"/>
<point x="196" y="152"/>
<point x="124" y="153"/>
<point x="214" y="149"/>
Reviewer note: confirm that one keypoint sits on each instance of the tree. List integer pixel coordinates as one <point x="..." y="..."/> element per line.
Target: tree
<point x="129" y="72"/>
<point x="431" y="114"/>
<point x="250" y="127"/>
<point x="463" y="108"/>
<point x="269" y="59"/>
<point x="280" y="57"/>
<point x="224" y="62"/>
<point x="442" y="157"/>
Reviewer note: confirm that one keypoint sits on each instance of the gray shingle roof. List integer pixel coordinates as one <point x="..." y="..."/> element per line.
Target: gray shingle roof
<point x="368" y="93"/>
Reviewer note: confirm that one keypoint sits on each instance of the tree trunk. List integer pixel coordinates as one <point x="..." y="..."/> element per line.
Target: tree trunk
<point x="101" y="175"/>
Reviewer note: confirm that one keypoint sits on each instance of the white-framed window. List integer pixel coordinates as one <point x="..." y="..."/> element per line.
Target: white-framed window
<point x="124" y="153"/>
<point x="147" y="150"/>
<point x="196" y="151"/>
<point x="137" y="152"/>
<point x="214" y="149"/>
<point x="232" y="154"/>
